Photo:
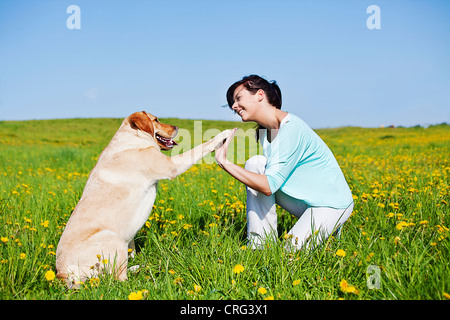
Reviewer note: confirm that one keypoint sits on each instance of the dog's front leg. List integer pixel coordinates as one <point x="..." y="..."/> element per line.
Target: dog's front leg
<point x="186" y="160"/>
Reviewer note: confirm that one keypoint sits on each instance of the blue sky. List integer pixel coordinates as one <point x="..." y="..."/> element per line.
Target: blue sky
<point x="178" y="58"/>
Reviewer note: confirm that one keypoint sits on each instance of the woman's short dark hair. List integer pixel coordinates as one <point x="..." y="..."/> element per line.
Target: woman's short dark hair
<point x="253" y="83"/>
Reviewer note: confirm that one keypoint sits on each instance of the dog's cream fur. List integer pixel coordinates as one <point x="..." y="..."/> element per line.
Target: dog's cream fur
<point x="119" y="195"/>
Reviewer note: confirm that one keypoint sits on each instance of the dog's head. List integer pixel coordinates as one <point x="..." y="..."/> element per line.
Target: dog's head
<point x="163" y="134"/>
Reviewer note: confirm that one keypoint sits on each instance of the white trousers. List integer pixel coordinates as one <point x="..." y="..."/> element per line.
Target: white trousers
<point x="314" y="225"/>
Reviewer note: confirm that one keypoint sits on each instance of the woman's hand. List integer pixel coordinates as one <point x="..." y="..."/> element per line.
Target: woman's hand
<point x="253" y="180"/>
<point x="221" y="152"/>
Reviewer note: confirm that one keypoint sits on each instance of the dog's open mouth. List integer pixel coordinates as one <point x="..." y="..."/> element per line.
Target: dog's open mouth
<point x="167" y="142"/>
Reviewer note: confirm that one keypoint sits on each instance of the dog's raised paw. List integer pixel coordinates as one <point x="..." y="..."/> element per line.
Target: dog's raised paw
<point x="225" y="134"/>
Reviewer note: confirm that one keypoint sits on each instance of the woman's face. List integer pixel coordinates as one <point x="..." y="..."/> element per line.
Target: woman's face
<point x="246" y="103"/>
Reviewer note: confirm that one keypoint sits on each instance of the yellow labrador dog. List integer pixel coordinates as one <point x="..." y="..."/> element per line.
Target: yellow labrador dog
<point x="119" y="195"/>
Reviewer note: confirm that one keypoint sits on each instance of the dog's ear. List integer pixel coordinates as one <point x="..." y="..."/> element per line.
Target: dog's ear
<point x="141" y="121"/>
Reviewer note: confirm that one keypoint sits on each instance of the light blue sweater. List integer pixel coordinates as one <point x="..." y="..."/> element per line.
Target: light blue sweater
<point x="301" y="165"/>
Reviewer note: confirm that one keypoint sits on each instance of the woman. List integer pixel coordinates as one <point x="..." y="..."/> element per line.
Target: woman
<point x="297" y="171"/>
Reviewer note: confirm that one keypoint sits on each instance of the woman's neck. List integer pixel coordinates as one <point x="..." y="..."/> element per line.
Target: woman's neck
<point x="272" y="118"/>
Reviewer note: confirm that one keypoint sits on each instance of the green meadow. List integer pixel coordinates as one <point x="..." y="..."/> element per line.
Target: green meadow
<point x="193" y="246"/>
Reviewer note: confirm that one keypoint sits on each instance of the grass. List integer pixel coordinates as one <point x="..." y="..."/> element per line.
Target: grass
<point x="196" y="233"/>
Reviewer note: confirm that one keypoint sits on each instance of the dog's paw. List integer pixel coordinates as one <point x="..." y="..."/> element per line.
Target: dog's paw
<point x="223" y="135"/>
<point x="220" y="139"/>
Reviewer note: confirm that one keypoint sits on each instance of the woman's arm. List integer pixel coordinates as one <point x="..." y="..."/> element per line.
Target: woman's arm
<point x="253" y="180"/>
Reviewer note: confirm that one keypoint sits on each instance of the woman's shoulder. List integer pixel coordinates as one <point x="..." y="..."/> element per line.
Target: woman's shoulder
<point x="295" y="121"/>
<point x="298" y="128"/>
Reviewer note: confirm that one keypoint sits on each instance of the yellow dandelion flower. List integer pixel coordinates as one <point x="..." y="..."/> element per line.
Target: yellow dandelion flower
<point x="441" y="229"/>
<point x="50" y="275"/>
<point x="4" y="239"/>
<point x="238" y="268"/>
<point x="352" y="289"/>
<point x="343" y="285"/>
<point x="296" y="282"/>
<point x="446" y="295"/>
<point x="135" y="296"/>
<point x="340" y="253"/>
<point x="268" y="298"/>
<point x="94" y="282"/>
<point x="262" y="290"/>
<point x="401" y="225"/>
<point x="22" y="256"/>
<point x="346" y="288"/>
<point x="197" y="288"/>
<point x="287" y="236"/>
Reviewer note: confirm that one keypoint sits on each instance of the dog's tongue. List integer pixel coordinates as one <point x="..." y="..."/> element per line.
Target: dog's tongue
<point x="166" y="141"/>
<point x="171" y="143"/>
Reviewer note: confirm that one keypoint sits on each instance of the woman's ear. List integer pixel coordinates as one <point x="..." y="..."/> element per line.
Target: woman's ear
<point x="260" y="95"/>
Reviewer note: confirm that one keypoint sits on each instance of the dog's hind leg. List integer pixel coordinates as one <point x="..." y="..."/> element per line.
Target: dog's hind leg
<point x="116" y="254"/>
<point x="106" y="252"/>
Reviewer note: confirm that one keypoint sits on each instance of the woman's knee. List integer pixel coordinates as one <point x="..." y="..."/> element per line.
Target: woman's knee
<point x="256" y="164"/>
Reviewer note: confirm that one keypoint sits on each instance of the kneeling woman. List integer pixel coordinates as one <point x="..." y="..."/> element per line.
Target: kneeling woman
<point x="298" y="171"/>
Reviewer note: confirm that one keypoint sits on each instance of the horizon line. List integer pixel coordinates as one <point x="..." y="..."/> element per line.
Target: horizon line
<point x="236" y="121"/>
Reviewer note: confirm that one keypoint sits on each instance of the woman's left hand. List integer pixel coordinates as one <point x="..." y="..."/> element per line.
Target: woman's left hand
<point x="221" y="153"/>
